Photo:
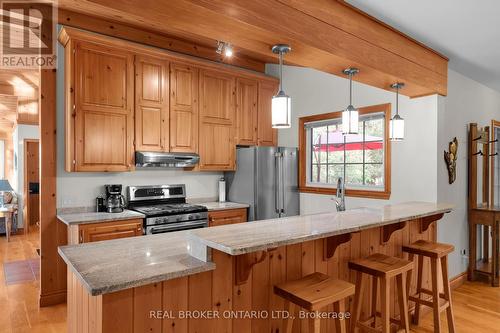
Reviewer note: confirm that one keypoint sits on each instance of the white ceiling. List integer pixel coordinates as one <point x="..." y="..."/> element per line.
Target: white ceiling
<point x="467" y="32"/>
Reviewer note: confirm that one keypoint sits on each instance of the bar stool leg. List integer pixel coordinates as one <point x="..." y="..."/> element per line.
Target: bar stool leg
<point x="403" y="304"/>
<point x="409" y="275"/>
<point x="385" y="303"/>
<point x="447" y="294"/>
<point x="435" y="294"/>
<point x="339" y="307"/>
<point x="314" y="325"/>
<point x="416" y="316"/>
<point x="288" y="322"/>
<point x="374" y="300"/>
<point x="356" y="305"/>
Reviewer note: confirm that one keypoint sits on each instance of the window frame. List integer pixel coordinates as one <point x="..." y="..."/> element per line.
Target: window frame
<point x="304" y="187"/>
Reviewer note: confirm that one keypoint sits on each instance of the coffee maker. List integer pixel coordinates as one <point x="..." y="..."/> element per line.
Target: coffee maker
<point x="115" y="202"/>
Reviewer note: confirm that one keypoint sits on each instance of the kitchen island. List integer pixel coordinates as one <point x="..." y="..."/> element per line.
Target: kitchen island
<point x="221" y="279"/>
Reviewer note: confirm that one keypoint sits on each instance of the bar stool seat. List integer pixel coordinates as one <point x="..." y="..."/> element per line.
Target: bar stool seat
<point x="381" y="268"/>
<point x="313" y="292"/>
<point x="429" y="249"/>
<point x="438" y="255"/>
<point x="379" y="265"/>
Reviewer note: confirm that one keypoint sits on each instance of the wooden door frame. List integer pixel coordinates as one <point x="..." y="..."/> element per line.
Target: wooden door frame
<point x="25" y="176"/>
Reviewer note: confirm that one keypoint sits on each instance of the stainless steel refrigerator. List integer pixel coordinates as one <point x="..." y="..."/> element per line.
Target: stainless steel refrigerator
<point x="266" y="178"/>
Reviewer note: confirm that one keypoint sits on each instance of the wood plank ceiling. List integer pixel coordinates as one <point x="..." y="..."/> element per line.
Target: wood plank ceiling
<point x="18" y="98"/>
<point x="325" y="34"/>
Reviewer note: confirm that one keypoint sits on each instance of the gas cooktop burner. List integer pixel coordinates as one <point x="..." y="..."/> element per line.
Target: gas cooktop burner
<point x="170" y="209"/>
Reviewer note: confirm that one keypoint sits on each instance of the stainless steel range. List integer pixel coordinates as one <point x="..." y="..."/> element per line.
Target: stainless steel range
<point x="165" y="208"/>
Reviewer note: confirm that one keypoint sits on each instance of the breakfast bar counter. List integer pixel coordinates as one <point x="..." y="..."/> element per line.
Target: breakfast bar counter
<point x="221" y="279"/>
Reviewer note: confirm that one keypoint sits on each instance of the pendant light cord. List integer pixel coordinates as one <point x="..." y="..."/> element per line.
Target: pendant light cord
<point x="350" y="88"/>
<point x="397" y="100"/>
<point x="281" y="70"/>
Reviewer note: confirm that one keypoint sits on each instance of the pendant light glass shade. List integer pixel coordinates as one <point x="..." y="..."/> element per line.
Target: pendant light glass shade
<point x="281" y="103"/>
<point x="397" y="124"/>
<point x="281" y="110"/>
<point x="350" y="120"/>
<point x="397" y="128"/>
<point x="350" y="116"/>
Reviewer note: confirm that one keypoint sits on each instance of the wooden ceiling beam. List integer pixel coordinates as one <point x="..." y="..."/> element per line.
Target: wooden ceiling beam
<point x="202" y="49"/>
<point x="317" y="42"/>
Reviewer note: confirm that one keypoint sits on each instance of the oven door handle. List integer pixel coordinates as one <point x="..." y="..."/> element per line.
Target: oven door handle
<point x="177" y="226"/>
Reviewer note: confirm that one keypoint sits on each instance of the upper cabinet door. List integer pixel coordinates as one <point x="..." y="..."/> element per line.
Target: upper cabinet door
<point x="151" y="104"/>
<point x="217" y="97"/>
<point x="183" y="108"/>
<point x="246" y="111"/>
<point x="217" y="110"/>
<point x="267" y="135"/>
<point x="103" y="110"/>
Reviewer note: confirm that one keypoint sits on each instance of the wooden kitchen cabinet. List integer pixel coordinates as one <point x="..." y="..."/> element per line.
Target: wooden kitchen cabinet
<point x="217" y="113"/>
<point x="122" y="97"/>
<point x="229" y="216"/>
<point x="266" y="134"/>
<point x="94" y="232"/>
<point x="183" y="108"/>
<point x="247" y="91"/>
<point x="101" y="114"/>
<point x="151" y="104"/>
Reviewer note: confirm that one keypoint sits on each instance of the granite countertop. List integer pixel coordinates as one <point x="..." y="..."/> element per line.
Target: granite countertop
<point x="215" y="205"/>
<point x="114" y="265"/>
<point x="244" y="238"/>
<point x="81" y="217"/>
<point x="108" y="266"/>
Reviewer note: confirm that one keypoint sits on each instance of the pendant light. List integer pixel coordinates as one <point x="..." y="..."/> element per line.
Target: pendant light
<point x="281" y="102"/>
<point x="397" y="124"/>
<point x="350" y="115"/>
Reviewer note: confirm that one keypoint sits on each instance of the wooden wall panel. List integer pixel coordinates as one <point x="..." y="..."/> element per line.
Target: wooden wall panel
<point x="52" y="232"/>
<point x="216" y="290"/>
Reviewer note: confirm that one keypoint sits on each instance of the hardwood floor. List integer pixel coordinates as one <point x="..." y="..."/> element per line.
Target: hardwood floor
<point x="19" y="311"/>
<point x="477" y="309"/>
<point x="476" y="305"/>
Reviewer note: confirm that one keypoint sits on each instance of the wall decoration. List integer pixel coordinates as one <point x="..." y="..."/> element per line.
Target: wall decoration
<point x="450" y="157"/>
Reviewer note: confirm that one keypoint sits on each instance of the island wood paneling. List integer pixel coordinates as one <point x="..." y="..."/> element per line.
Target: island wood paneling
<point x="217" y="291"/>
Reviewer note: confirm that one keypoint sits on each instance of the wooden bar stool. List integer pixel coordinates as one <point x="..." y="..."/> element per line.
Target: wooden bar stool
<point x="380" y="267"/>
<point x="313" y="292"/>
<point x="438" y="254"/>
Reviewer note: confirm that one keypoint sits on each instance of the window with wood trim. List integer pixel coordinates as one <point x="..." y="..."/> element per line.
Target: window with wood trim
<point x="362" y="159"/>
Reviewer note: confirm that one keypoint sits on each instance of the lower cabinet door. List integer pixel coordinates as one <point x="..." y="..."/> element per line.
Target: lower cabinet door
<point x="230" y="216"/>
<point x="110" y="230"/>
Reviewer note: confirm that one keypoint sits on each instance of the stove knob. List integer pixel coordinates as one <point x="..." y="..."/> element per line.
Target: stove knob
<point x="191" y="217"/>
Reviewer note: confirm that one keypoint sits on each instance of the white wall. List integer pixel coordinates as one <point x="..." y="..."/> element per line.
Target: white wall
<point x="20" y="133"/>
<point x="467" y="101"/>
<point x="80" y="189"/>
<point x="315" y="92"/>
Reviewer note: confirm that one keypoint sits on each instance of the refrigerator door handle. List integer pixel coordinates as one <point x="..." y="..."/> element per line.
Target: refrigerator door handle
<point x="282" y="161"/>
<point x="276" y="183"/>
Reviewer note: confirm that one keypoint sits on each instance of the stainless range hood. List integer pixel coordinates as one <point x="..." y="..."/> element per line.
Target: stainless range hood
<point x="151" y="159"/>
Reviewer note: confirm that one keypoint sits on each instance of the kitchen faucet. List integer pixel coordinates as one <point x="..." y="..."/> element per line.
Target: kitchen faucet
<point x="340" y="197"/>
